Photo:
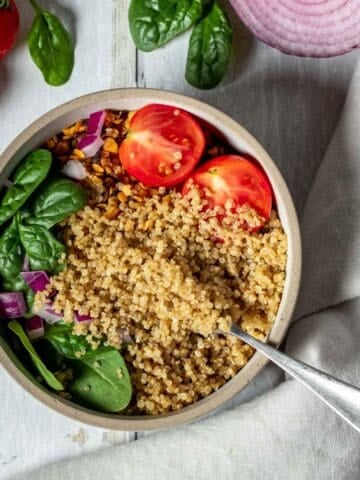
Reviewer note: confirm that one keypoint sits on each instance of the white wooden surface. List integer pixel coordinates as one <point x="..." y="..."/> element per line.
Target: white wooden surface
<point x="290" y="104"/>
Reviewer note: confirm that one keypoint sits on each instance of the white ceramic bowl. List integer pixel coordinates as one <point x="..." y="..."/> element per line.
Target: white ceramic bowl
<point x="131" y="99"/>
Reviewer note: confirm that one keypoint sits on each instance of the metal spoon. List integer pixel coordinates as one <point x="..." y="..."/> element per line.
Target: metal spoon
<point x="342" y="397"/>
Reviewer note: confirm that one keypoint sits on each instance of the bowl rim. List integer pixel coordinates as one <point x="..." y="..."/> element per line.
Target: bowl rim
<point x="212" y="402"/>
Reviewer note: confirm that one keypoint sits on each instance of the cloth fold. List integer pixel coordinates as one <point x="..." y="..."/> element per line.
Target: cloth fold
<point x="286" y="433"/>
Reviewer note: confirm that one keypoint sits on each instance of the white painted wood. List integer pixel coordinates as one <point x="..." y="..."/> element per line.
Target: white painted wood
<point x="123" y="48"/>
<point x="30" y="434"/>
<point x="290" y="104"/>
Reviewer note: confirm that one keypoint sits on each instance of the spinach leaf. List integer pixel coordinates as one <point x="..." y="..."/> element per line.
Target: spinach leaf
<point x="101" y="381"/>
<point x="209" y="49"/>
<point x="57" y="200"/>
<point x="51" y="47"/>
<point x="27" y="177"/>
<point x="155" y="22"/>
<point x="69" y="345"/>
<point x="11" y="256"/>
<point x="48" y="376"/>
<point x="42" y="248"/>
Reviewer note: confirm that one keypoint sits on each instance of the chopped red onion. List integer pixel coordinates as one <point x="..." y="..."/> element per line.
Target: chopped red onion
<point x="74" y="169"/>
<point x="37" y="280"/>
<point x="92" y="142"/>
<point x="26" y="264"/>
<point x="49" y="314"/>
<point x="96" y="123"/>
<point x="90" y="145"/>
<point x="85" y="319"/>
<point x="12" y="305"/>
<point x="310" y="28"/>
<point x="35" y="327"/>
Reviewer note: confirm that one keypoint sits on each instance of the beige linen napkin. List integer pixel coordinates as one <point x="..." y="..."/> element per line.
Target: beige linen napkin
<point x="286" y="433"/>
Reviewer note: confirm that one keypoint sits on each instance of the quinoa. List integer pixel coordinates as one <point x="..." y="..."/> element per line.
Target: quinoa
<point x="171" y="273"/>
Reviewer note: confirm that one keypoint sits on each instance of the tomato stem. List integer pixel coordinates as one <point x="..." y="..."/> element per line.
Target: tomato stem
<point x="35" y="6"/>
<point x="4" y="3"/>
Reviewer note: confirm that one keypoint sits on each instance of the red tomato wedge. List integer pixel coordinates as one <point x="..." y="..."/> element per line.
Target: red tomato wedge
<point x="163" y="145"/>
<point x="232" y="177"/>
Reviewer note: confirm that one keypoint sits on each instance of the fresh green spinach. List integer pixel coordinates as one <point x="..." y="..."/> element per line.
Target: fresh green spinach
<point x="42" y="248"/>
<point x="27" y="177"/>
<point x="209" y="49"/>
<point x="48" y="376"/>
<point x="155" y="22"/>
<point x="69" y="345"/>
<point x="51" y="47"/>
<point x="101" y="381"/>
<point x="11" y="256"/>
<point x="56" y="201"/>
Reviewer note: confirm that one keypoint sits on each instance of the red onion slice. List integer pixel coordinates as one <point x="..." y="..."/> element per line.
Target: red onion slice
<point x="85" y="319"/>
<point x="74" y="169"/>
<point x="49" y="314"/>
<point x="92" y="142"/>
<point x="37" y="280"/>
<point x="12" y="305"/>
<point x="35" y="327"/>
<point x="90" y="145"/>
<point x="96" y="123"/>
<point x="310" y="28"/>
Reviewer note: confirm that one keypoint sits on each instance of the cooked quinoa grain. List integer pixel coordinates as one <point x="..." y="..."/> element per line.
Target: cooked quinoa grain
<point x="169" y="273"/>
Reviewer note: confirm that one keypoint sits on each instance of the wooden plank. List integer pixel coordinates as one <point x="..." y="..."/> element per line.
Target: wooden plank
<point x="123" y="56"/>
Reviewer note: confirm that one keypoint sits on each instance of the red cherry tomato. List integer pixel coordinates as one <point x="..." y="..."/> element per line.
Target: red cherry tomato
<point x="163" y="145"/>
<point x="9" y="26"/>
<point x="232" y="177"/>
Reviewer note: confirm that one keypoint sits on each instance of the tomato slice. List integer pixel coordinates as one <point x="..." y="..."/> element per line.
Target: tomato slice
<point x="163" y="146"/>
<point x="232" y="177"/>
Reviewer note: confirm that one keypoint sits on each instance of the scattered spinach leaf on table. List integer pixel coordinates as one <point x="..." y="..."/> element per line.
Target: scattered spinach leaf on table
<point x="51" y="47"/>
<point x="42" y="248"/>
<point x="209" y="49"/>
<point x="48" y="376"/>
<point x="57" y="200"/>
<point x="155" y="22"/>
<point x="27" y="177"/>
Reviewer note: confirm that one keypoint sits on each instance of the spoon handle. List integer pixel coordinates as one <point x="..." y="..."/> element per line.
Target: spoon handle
<point x="342" y="397"/>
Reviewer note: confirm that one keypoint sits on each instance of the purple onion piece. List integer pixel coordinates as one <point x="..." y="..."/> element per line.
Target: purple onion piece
<point x="35" y="327"/>
<point x="12" y="305"/>
<point x="37" y="280"/>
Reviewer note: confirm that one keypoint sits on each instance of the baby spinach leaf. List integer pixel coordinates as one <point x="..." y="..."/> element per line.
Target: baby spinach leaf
<point x="51" y="47"/>
<point x="27" y="177"/>
<point x="69" y="345"/>
<point x="42" y="248"/>
<point x="209" y="49"/>
<point x="155" y="22"/>
<point x="56" y="201"/>
<point x="48" y="376"/>
<point x="101" y="381"/>
<point x="11" y="256"/>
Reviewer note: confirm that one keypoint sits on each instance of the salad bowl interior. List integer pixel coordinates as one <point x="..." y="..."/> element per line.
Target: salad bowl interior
<point x="132" y="99"/>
